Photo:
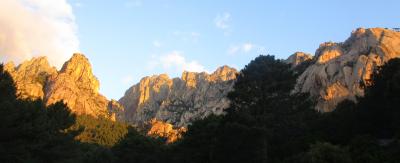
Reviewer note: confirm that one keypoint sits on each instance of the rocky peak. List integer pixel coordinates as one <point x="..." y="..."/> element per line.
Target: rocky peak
<point x="297" y="58"/>
<point x="79" y="69"/>
<point x="9" y="67"/>
<point x="342" y="70"/>
<point x="76" y="85"/>
<point x="30" y="77"/>
<point x="224" y="73"/>
<point x="328" y="51"/>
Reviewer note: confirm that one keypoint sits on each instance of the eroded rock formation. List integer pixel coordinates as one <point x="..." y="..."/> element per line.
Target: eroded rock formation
<point x="178" y="101"/>
<point x="75" y="84"/>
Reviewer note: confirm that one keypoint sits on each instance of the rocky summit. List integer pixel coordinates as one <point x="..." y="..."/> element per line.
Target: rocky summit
<point x="298" y="58"/>
<point x="178" y="101"/>
<point x="340" y="71"/>
<point x="74" y="84"/>
<point x="30" y="77"/>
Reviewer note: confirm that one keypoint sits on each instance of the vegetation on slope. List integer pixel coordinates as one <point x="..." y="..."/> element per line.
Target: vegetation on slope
<point x="265" y="123"/>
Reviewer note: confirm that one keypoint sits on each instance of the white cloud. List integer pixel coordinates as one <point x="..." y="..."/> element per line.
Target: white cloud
<point x="32" y="28"/>
<point x="175" y="61"/>
<point x="222" y="21"/>
<point x="245" y="48"/>
<point x="157" y="44"/>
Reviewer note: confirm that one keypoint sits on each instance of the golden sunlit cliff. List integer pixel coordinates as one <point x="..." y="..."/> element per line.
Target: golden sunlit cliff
<point x="75" y="84"/>
<point x="341" y="70"/>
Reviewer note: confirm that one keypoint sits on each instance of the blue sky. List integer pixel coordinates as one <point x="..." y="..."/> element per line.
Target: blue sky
<point x="126" y="40"/>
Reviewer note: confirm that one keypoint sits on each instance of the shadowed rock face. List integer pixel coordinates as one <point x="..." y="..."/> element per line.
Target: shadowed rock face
<point x="342" y="70"/>
<point x="75" y="84"/>
<point x="178" y="101"/>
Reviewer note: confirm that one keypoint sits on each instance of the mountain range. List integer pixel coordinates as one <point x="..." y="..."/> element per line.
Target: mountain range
<point x="337" y="71"/>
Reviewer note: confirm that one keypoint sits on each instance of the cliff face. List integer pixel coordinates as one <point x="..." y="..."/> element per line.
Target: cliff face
<point x="342" y="70"/>
<point x="75" y="84"/>
<point x="178" y="101"/>
<point x="78" y="87"/>
<point x="30" y="77"/>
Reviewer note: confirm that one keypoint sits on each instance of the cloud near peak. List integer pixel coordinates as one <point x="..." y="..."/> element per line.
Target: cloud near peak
<point x="175" y="63"/>
<point x="31" y="28"/>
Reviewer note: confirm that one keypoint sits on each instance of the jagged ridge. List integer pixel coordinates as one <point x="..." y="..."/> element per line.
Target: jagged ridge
<point x="75" y="84"/>
<point x="178" y="101"/>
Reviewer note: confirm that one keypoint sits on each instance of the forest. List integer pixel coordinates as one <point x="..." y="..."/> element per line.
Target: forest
<point x="265" y="123"/>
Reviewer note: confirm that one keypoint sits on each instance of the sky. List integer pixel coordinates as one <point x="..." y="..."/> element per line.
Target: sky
<point x="126" y="40"/>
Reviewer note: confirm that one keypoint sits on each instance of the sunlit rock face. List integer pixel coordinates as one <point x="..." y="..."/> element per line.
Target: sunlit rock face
<point x="160" y="129"/>
<point x="178" y="101"/>
<point x="75" y="84"/>
<point x="30" y="77"/>
<point x="342" y="70"/>
<point x="298" y="58"/>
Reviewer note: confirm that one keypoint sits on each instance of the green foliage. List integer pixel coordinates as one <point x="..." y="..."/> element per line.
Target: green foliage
<point x="100" y="131"/>
<point x="265" y="122"/>
<point x="370" y="128"/>
<point x="380" y="106"/>
<point x="8" y="91"/>
<point x="32" y="132"/>
<point x="263" y="78"/>
<point x="327" y="153"/>
<point x="139" y="149"/>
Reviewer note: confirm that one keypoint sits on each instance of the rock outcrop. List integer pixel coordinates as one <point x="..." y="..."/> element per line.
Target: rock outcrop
<point x="178" y="101"/>
<point x="74" y="84"/>
<point x="160" y="129"/>
<point x="342" y="70"/>
<point x="298" y="58"/>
